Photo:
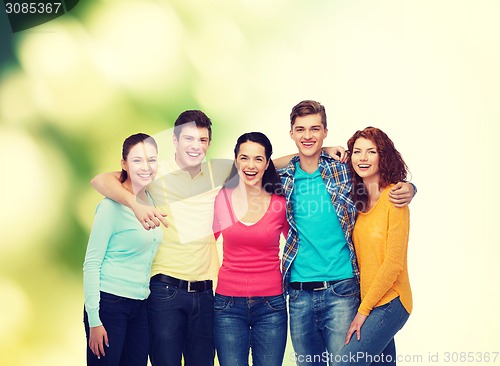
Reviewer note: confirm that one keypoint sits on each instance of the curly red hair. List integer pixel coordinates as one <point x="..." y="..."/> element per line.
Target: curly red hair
<point x="392" y="167"/>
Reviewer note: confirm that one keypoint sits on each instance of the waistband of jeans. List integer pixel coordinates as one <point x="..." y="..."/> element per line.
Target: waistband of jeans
<point x="189" y="286"/>
<point x="313" y="286"/>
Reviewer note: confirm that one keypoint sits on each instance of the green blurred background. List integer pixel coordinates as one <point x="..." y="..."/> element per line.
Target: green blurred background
<point x="72" y="89"/>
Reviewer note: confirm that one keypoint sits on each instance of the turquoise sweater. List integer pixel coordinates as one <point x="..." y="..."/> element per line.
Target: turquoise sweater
<point x="119" y="257"/>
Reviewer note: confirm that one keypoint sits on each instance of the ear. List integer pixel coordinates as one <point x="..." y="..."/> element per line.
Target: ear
<point x="326" y="132"/>
<point x="175" y="141"/>
<point x="124" y="165"/>
<point x="291" y="134"/>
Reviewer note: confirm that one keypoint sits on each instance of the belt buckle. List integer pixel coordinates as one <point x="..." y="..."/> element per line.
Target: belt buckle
<point x="324" y="287"/>
<point x="189" y="287"/>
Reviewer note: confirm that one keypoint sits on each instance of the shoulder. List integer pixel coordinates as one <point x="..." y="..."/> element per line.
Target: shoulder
<point x="289" y="169"/>
<point x="384" y="199"/>
<point x="335" y="169"/>
<point x="327" y="160"/>
<point x="108" y="204"/>
<point x="278" y="204"/>
<point x="223" y="197"/>
<point x="278" y="198"/>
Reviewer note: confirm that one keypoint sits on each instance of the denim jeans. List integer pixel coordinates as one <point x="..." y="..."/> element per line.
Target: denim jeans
<point x="319" y="321"/>
<point x="376" y="346"/>
<point x="181" y="324"/>
<point x="241" y="323"/>
<point x="126" y="323"/>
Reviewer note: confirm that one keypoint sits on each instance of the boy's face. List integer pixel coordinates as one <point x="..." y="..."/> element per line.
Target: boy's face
<point x="308" y="133"/>
<point x="191" y="146"/>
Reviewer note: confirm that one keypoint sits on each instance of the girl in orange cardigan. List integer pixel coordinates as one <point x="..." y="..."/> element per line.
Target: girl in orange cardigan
<point x="381" y="240"/>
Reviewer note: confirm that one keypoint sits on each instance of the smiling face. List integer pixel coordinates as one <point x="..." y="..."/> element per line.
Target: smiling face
<point x="191" y="146"/>
<point x="365" y="160"/>
<point x="251" y="163"/>
<point x="308" y="133"/>
<point x="141" y="165"/>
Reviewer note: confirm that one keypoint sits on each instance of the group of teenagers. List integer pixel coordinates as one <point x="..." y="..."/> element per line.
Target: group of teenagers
<point x="152" y="260"/>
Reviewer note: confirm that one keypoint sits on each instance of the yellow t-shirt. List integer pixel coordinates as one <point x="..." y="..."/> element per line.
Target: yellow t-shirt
<point x="381" y="242"/>
<point x="188" y="251"/>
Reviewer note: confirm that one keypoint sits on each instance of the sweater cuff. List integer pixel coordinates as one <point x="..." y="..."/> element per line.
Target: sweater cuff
<point x="94" y="319"/>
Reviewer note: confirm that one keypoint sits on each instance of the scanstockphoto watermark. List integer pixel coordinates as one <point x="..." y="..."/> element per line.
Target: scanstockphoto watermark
<point x="457" y="358"/>
<point x="354" y="358"/>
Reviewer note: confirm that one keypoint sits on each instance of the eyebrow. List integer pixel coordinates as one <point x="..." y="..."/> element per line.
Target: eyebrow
<point x="313" y="126"/>
<point x="140" y="157"/>
<point x="246" y="156"/>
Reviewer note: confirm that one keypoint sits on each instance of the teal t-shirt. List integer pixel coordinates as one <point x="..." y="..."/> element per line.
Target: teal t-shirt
<point x="323" y="254"/>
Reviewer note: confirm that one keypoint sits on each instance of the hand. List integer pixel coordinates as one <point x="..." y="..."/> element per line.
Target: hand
<point x="401" y="194"/>
<point x="150" y="217"/>
<point x="98" y="338"/>
<point x="337" y="152"/>
<point x="356" y="325"/>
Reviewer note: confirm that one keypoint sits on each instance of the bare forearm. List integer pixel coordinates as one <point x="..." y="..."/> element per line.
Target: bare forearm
<point x="109" y="185"/>
<point x="282" y="162"/>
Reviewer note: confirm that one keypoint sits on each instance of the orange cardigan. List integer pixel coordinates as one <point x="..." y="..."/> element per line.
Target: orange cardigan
<point x="381" y="241"/>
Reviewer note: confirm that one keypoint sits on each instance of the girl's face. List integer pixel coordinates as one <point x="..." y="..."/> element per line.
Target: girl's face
<point x="251" y="163"/>
<point x="365" y="159"/>
<point x="141" y="164"/>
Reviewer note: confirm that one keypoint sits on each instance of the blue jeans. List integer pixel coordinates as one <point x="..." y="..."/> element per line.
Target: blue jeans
<point x="376" y="346"/>
<point x="241" y="323"/>
<point x="319" y="321"/>
<point x="181" y="324"/>
<point x="126" y="322"/>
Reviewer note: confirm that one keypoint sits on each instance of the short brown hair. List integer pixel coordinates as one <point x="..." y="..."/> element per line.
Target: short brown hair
<point x="307" y="107"/>
<point x="198" y="117"/>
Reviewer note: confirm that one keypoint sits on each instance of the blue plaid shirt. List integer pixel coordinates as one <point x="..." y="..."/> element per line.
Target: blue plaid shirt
<point x="338" y="182"/>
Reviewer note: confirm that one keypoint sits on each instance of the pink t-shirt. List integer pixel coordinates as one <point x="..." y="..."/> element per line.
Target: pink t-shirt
<point x="251" y="262"/>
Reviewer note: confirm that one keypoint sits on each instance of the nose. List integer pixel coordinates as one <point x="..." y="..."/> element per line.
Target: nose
<point x="364" y="156"/>
<point x="145" y="165"/>
<point x="196" y="144"/>
<point x="307" y="134"/>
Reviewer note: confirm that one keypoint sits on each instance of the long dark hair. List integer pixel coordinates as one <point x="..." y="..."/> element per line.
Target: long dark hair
<point x="391" y="165"/>
<point x="270" y="180"/>
<point x="129" y="143"/>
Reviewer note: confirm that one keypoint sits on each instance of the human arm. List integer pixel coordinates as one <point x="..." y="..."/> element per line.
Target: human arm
<point x="402" y="194"/>
<point x="102" y="230"/>
<point x="109" y="185"/>
<point x="337" y="152"/>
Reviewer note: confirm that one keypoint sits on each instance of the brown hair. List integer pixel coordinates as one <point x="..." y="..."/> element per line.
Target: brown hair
<point x="305" y="108"/>
<point x="200" y="119"/>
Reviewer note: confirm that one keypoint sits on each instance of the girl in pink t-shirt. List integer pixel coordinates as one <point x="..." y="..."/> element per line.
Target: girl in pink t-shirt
<point x="250" y="213"/>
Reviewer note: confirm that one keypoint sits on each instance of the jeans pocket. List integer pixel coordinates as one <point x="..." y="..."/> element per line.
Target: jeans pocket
<point x="221" y="302"/>
<point x="162" y="292"/>
<point x="346" y="288"/>
<point x="293" y="294"/>
<point x="277" y="303"/>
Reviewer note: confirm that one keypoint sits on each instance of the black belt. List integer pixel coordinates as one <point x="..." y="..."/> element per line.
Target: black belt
<point x="189" y="286"/>
<point x="312" y="286"/>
